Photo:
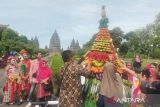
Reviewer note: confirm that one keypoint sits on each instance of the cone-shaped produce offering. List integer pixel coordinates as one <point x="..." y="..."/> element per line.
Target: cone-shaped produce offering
<point x="102" y="49"/>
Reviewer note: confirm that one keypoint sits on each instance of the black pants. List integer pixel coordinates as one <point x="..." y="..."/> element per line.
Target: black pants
<point x="31" y="96"/>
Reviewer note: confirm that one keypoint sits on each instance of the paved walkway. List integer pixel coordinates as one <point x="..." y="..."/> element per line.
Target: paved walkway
<point x="2" y="81"/>
<point x="22" y="105"/>
<point x="4" y="105"/>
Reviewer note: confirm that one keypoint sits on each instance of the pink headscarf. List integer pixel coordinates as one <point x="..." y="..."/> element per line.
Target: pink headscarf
<point x="152" y="74"/>
<point x="148" y="66"/>
<point x="151" y="71"/>
<point x="43" y="71"/>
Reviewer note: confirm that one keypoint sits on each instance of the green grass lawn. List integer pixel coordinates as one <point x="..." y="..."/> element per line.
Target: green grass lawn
<point x="56" y="63"/>
<point x="145" y="61"/>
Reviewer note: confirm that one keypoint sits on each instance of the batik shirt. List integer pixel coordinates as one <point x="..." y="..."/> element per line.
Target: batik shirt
<point x="71" y="88"/>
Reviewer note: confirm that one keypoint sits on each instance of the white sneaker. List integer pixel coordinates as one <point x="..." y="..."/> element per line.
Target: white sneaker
<point x="36" y="105"/>
<point x="29" y="104"/>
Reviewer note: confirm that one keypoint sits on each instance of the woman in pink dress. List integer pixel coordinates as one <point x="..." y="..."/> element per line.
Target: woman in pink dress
<point x="44" y="75"/>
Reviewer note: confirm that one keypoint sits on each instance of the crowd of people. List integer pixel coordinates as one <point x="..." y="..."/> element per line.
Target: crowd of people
<point x="28" y="80"/>
<point x="139" y="85"/>
<point x="24" y="76"/>
<point x="136" y="86"/>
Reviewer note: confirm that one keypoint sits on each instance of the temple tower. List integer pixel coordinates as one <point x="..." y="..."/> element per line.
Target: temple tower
<point x="55" y="46"/>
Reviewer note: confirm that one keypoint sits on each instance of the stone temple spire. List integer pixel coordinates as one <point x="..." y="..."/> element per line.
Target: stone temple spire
<point x="73" y="44"/>
<point x="68" y="48"/>
<point x="36" y="42"/>
<point x="77" y="45"/>
<point x="55" y="46"/>
<point x="46" y="47"/>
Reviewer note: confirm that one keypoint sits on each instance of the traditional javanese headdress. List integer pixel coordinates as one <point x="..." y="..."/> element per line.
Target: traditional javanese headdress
<point x="11" y="57"/>
<point x="23" y="51"/>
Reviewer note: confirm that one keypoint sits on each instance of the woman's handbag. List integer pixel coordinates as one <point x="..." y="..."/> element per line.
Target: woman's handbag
<point x="48" y="87"/>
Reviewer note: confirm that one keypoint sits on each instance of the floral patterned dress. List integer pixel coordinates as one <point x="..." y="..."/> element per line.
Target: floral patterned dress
<point x="11" y="85"/>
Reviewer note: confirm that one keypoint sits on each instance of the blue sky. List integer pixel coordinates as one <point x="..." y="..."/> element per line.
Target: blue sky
<point x="76" y="19"/>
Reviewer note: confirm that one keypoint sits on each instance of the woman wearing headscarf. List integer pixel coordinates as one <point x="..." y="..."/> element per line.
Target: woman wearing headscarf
<point x="137" y="64"/>
<point x="127" y="83"/>
<point x="154" y="71"/>
<point x="111" y="87"/>
<point x="43" y="77"/>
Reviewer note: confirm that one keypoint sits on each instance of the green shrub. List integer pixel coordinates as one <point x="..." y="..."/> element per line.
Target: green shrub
<point x="144" y="56"/>
<point x="156" y="53"/>
<point x="130" y="54"/>
<point x="77" y="58"/>
<point x="56" y="63"/>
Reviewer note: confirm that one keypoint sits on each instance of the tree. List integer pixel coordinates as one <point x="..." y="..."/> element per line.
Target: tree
<point x="157" y="25"/>
<point x="5" y="35"/>
<point x="123" y="49"/>
<point x="11" y="41"/>
<point x="141" y="40"/>
<point x="117" y="34"/>
<point x="2" y="28"/>
<point x="156" y="53"/>
<point x="156" y="42"/>
<point x="129" y="34"/>
<point x="23" y="38"/>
